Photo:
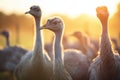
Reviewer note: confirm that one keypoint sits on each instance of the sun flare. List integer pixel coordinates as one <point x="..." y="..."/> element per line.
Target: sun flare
<point x="78" y="15"/>
<point x="72" y="8"/>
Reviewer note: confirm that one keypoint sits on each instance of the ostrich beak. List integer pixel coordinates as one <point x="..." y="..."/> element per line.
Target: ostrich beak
<point x="43" y="27"/>
<point x="27" y="12"/>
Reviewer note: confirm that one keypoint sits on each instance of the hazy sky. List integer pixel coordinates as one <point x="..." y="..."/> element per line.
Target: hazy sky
<point x="69" y="7"/>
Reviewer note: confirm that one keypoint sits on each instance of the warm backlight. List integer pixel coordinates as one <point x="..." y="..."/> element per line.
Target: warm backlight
<point x="78" y="15"/>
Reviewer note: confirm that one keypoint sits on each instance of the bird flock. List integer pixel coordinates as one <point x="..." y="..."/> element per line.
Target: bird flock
<point x="58" y="60"/>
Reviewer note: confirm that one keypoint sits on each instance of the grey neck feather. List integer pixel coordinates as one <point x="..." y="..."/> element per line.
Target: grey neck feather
<point x="38" y="48"/>
<point x="7" y="41"/>
<point x="58" y="47"/>
<point x="105" y="47"/>
<point x="84" y="44"/>
<point x="59" y="70"/>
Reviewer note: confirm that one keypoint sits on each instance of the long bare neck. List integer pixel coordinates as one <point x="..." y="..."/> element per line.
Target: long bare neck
<point x="38" y="49"/>
<point x="60" y="72"/>
<point x="83" y="44"/>
<point x="58" y="47"/>
<point x="7" y="41"/>
<point x="105" y="47"/>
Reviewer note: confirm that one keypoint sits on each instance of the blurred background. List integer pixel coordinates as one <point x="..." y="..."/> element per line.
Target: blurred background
<point x="78" y="15"/>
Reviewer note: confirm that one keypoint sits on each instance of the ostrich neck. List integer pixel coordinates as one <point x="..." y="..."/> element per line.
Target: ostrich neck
<point x="84" y="44"/>
<point x="38" y="49"/>
<point x="7" y="41"/>
<point x="104" y="28"/>
<point x="58" y="47"/>
<point x="105" y="47"/>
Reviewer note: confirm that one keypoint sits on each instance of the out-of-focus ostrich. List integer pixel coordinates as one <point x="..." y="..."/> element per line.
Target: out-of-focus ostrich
<point x="35" y="65"/>
<point x="116" y="45"/>
<point x="86" y="46"/>
<point x="76" y="63"/>
<point x="10" y="55"/>
<point x="107" y="65"/>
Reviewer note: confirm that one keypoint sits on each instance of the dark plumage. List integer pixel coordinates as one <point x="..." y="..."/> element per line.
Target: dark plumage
<point x="10" y="57"/>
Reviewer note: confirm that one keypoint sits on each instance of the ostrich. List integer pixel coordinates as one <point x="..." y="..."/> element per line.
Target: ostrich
<point x="86" y="46"/>
<point x="10" y="56"/>
<point x="59" y="71"/>
<point x="117" y="47"/>
<point x="76" y="63"/>
<point x="35" y="65"/>
<point x="107" y="65"/>
<point x="3" y="56"/>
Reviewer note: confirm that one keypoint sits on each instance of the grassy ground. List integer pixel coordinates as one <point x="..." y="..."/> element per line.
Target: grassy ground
<point x="6" y="76"/>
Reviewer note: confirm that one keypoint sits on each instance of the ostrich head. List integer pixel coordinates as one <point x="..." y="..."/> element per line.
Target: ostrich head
<point x="54" y="24"/>
<point x="77" y="34"/>
<point x="102" y="13"/>
<point x="81" y="37"/>
<point x="5" y="33"/>
<point x="34" y="11"/>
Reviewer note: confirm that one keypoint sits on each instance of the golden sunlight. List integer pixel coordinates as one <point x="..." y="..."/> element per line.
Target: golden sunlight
<point x="71" y="8"/>
<point x="78" y="15"/>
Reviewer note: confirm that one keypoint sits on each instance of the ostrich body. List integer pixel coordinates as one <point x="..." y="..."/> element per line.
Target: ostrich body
<point x="86" y="46"/>
<point x="107" y="65"/>
<point x="35" y="65"/>
<point x="10" y="55"/>
<point x="76" y="63"/>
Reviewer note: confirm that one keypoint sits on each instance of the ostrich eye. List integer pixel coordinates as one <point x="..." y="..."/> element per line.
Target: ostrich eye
<point x="37" y="9"/>
<point x="48" y="20"/>
<point x="55" y="23"/>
